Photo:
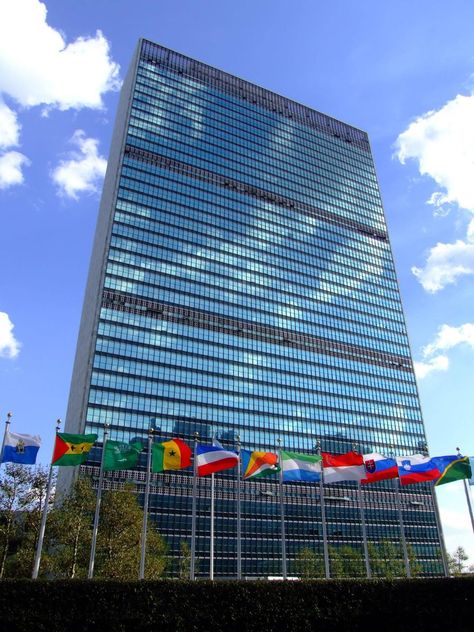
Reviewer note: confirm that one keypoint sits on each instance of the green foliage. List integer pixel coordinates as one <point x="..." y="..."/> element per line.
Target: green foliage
<point x="346" y="561"/>
<point x="309" y="564"/>
<point x="22" y="494"/>
<point x="457" y="561"/>
<point x="183" y="606"/>
<point x="69" y="533"/>
<point x="184" y="560"/>
<point x="118" y="543"/>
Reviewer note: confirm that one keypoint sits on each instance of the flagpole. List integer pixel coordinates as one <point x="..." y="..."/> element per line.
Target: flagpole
<point x="141" y="574"/>
<point x="192" y="566"/>
<point x="468" y="495"/>
<point x="95" y="528"/>
<point x="396" y="484"/>
<point x="282" y="516"/>
<point x="444" y="557"/>
<point x="211" y="546"/>
<point x="364" y="530"/>
<point x="7" y="428"/>
<point x="39" y="546"/>
<point x="327" y="571"/>
<point x="239" y="514"/>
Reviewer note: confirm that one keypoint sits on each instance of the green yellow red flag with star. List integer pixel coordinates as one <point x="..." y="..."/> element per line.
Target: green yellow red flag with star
<point x="170" y="455"/>
<point x="72" y="449"/>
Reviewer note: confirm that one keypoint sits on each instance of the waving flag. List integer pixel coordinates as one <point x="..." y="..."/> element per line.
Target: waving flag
<point x="343" y="467"/>
<point x="170" y="455"/>
<point x="257" y="464"/>
<point x="214" y="458"/>
<point x="300" y="467"/>
<point x="120" y="455"/>
<point x="378" y="468"/>
<point x="20" y="448"/>
<point x="452" y="468"/>
<point x="72" y="449"/>
<point x="416" y="468"/>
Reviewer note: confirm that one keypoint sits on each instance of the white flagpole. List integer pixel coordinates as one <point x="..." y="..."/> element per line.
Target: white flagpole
<point x="141" y="574"/>
<point x="95" y="528"/>
<point x="282" y="516"/>
<point x="327" y="571"/>
<point x="192" y="566"/>
<point x="7" y="428"/>
<point x="406" y="559"/>
<point x="364" y="530"/>
<point x="39" y="546"/>
<point x="211" y="547"/>
<point x="239" y="514"/>
<point x="444" y="557"/>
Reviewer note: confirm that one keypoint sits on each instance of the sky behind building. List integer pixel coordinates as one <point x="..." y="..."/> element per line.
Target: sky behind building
<point x="401" y="71"/>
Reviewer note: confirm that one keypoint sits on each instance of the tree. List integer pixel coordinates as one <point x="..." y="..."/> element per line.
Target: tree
<point x="118" y="542"/>
<point x="309" y="564"/>
<point x="69" y="532"/>
<point x="345" y="561"/>
<point x="22" y="494"/>
<point x="184" y="560"/>
<point x="456" y="561"/>
<point x="24" y="558"/>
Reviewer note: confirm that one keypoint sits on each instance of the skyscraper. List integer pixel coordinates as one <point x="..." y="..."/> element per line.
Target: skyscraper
<point x="242" y="284"/>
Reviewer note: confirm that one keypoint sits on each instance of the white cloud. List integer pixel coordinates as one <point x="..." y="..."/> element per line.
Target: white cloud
<point x="38" y="67"/>
<point x="442" y="144"/>
<point x="445" y="264"/>
<point x="439" y="363"/>
<point x="9" y="346"/>
<point x="449" y="337"/>
<point x="9" y="127"/>
<point x="11" y="165"/>
<point x="83" y="171"/>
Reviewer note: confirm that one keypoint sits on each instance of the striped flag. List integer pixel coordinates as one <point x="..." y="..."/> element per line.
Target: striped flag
<point x="257" y="464"/>
<point x="214" y="458"/>
<point x="300" y="467"/>
<point x="343" y="467"/>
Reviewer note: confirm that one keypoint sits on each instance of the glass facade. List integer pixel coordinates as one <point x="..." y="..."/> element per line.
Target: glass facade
<point x="243" y="284"/>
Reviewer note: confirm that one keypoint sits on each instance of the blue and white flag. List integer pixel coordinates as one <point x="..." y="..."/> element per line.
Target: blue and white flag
<point x="20" y="448"/>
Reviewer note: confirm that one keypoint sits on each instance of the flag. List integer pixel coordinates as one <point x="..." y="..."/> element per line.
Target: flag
<point x="214" y="458"/>
<point x="121" y="456"/>
<point x="471" y="462"/>
<point x="256" y="464"/>
<point x="300" y="467"/>
<point x="343" y="467"/>
<point x="20" y="448"/>
<point x="378" y="468"/>
<point x="170" y="455"/>
<point x="72" y="449"/>
<point x="416" y="468"/>
<point x="452" y="468"/>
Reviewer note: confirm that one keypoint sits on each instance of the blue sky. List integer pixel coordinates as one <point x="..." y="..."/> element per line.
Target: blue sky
<point x="401" y="70"/>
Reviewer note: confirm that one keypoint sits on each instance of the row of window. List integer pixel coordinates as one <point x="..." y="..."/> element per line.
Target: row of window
<point x="248" y="114"/>
<point x="228" y="345"/>
<point x="256" y="368"/>
<point x="232" y="202"/>
<point x="242" y="307"/>
<point x="207" y="134"/>
<point x="182" y="210"/>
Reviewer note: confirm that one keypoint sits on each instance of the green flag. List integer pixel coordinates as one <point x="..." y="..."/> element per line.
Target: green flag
<point x="452" y="468"/>
<point x="120" y="455"/>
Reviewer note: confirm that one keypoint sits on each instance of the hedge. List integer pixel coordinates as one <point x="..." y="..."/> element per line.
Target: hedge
<point x="253" y="606"/>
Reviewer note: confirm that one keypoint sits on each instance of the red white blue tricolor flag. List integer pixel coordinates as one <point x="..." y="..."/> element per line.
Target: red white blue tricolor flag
<point x="416" y="468"/>
<point x="378" y="468"/>
<point x="214" y="458"/>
